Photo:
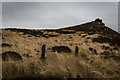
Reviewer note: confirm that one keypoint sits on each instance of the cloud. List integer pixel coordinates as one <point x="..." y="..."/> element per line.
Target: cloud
<point x="58" y="14"/>
<point x="119" y="17"/>
<point x="60" y="0"/>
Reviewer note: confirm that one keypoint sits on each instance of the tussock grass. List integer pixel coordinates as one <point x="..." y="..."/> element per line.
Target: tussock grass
<point x="63" y="66"/>
<point x="58" y="65"/>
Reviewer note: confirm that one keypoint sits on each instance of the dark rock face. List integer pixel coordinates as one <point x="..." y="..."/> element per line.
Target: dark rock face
<point x="11" y="56"/>
<point x="60" y="49"/>
<point x="98" y="20"/>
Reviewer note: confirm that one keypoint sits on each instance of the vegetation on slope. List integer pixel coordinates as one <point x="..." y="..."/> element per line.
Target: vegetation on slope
<point x="89" y="50"/>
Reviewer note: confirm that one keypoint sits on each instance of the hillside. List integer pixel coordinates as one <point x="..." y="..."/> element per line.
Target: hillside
<point x="89" y="50"/>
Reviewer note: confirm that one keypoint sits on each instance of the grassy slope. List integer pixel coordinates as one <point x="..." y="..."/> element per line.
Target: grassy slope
<point x="67" y="65"/>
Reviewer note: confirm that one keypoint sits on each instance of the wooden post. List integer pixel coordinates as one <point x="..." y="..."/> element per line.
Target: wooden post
<point x="76" y="50"/>
<point x="43" y="52"/>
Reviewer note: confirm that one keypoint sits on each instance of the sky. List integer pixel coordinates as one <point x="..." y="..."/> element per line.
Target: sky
<point x="54" y="15"/>
<point x="60" y="0"/>
<point x="119" y="17"/>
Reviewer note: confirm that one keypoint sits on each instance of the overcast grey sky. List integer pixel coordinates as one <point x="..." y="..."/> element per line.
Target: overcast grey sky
<point x="44" y="15"/>
<point x="119" y="17"/>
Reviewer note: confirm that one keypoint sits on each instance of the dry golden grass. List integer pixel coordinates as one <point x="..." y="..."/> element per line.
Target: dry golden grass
<point x="63" y="65"/>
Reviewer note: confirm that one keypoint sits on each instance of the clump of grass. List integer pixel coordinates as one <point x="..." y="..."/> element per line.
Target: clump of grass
<point x="28" y="69"/>
<point x="63" y="66"/>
